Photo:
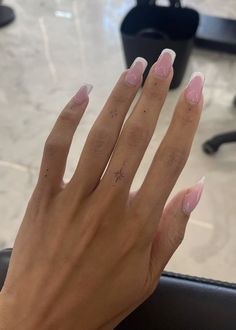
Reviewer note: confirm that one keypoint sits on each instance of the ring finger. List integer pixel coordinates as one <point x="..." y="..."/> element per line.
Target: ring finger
<point x="174" y="149"/>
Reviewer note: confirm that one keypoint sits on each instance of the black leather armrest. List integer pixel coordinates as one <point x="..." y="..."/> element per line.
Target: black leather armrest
<point x="4" y="261"/>
<point x="179" y="303"/>
<point x="186" y="303"/>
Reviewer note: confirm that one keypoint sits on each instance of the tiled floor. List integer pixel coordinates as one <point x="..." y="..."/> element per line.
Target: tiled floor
<point x="55" y="46"/>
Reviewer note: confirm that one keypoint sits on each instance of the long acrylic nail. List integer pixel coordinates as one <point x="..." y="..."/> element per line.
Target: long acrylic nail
<point x="134" y="74"/>
<point x="82" y="95"/>
<point x="193" y="91"/>
<point x="163" y="65"/>
<point x="192" y="198"/>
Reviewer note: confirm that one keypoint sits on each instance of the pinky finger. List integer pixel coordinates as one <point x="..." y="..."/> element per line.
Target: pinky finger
<point x="171" y="229"/>
<point x="58" y="143"/>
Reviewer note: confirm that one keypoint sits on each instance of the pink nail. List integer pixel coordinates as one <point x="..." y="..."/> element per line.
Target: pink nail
<point x="193" y="91"/>
<point x="192" y="198"/>
<point x="163" y="65"/>
<point x="82" y="95"/>
<point x="135" y="72"/>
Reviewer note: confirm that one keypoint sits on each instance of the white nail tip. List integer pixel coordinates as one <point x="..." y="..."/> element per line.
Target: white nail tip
<point x="197" y="74"/>
<point x="201" y="184"/>
<point x="171" y="52"/>
<point x="142" y="60"/>
<point x="202" y="180"/>
<point x="89" y="87"/>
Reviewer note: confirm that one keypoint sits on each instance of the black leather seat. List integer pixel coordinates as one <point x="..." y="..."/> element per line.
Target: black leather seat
<point x="179" y="303"/>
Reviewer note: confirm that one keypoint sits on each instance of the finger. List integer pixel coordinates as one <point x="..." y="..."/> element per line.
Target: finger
<point x="139" y="127"/>
<point x="58" y="143"/>
<point x="169" y="235"/>
<point x="105" y="131"/>
<point x="132" y="195"/>
<point x="174" y="149"/>
<point x="171" y="229"/>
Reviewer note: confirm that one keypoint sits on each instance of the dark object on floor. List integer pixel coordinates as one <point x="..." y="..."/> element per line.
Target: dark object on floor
<point x="211" y="146"/>
<point x="7" y="15"/>
<point x="216" y="33"/>
<point x="147" y="29"/>
<point x="179" y="303"/>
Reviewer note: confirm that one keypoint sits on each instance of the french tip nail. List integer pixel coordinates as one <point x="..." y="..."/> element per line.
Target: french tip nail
<point x="193" y="196"/>
<point x="89" y="87"/>
<point x="141" y="60"/>
<point x="193" y="91"/>
<point x="82" y="95"/>
<point x="171" y="52"/>
<point x="202" y="180"/>
<point x="197" y="74"/>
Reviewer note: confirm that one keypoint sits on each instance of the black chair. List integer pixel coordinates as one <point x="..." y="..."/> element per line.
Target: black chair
<point x="179" y="303"/>
<point x="211" y="146"/>
<point x="216" y="33"/>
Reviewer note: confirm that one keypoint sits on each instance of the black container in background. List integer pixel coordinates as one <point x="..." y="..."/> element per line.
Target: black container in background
<point x="148" y="29"/>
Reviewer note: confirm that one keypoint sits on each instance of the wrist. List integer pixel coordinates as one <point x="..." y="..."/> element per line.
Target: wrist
<point x="8" y="317"/>
<point x="13" y="315"/>
<point x="5" y="319"/>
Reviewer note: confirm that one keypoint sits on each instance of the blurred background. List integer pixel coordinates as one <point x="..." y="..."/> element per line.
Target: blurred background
<point x="55" y="46"/>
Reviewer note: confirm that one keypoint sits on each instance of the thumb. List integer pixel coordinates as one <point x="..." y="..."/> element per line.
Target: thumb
<point x="171" y="228"/>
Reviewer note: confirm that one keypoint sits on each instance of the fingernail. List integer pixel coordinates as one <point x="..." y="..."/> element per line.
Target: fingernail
<point x="192" y="198"/>
<point x="163" y="65"/>
<point x="193" y="91"/>
<point x="82" y="95"/>
<point x="134" y="74"/>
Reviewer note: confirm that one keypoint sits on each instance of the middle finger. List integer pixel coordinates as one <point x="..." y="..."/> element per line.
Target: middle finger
<point x="139" y="127"/>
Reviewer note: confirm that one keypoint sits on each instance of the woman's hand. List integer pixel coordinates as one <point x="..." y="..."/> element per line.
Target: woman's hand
<point x="89" y="252"/>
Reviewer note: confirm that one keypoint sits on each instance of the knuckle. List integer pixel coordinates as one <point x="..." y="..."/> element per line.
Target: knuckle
<point x="50" y="146"/>
<point x="118" y="97"/>
<point x="173" y="158"/>
<point x="186" y="118"/>
<point x="136" y="135"/>
<point x="67" y="117"/>
<point x="175" y="237"/>
<point x="53" y="145"/>
<point x="156" y="90"/>
<point x="100" y="139"/>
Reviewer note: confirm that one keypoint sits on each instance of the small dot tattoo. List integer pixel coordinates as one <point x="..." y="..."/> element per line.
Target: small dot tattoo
<point x="119" y="175"/>
<point x="72" y="106"/>
<point x="114" y="113"/>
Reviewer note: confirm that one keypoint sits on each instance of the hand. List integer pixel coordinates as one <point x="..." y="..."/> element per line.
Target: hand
<point x="89" y="252"/>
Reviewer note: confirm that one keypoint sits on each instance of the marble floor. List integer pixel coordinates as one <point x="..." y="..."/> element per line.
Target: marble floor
<point x="55" y="46"/>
